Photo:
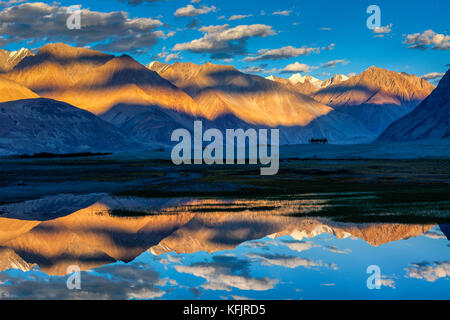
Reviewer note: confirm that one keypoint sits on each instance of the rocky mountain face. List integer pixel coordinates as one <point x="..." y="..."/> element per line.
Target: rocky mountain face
<point x="95" y="81"/>
<point x="10" y="91"/>
<point x="8" y="60"/>
<point x="222" y="91"/>
<point x="306" y="84"/>
<point x="336" y="79"/>
<point x="430" y="120"/>
<point x="377" y="97"/>
<point x="45" y="125"/>
<point x="148" y="103"/>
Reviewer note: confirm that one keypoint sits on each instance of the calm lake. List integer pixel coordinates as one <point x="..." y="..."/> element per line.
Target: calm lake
<point x="183" y="248"/>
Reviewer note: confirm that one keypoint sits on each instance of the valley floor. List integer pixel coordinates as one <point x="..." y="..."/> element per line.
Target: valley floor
<point x="152" y="175"/>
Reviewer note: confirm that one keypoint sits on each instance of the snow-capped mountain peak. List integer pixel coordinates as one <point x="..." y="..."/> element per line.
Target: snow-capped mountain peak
<point x="298" y="78"/>
<point x="337" y="78"/>
<point x="17" y="56"/>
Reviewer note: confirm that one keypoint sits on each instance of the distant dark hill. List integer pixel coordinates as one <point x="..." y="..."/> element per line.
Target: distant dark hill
<point x="44" y="125"/>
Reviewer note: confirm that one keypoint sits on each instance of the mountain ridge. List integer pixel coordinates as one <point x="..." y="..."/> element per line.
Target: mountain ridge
<point x="377" y="97"/>
<point x="223" y="90"/>
<point x="45" y="125"/>
<point x="430" y="120"/>
<point x="95" y="81"/>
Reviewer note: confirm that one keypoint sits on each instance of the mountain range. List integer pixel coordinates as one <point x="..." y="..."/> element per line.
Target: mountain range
<point x="307" y="84"/>
<point x="376" y="97"/>
<point x="140" y="106"/>
<point x="231" y="98"/>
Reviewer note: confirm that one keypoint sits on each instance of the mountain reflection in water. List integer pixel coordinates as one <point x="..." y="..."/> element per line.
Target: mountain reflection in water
<point x="212" y="249"/>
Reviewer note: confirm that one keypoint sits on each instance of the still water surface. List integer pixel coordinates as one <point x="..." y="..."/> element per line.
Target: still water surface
<point x="130" y="248"/>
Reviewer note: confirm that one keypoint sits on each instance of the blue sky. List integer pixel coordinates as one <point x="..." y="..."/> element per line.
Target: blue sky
<point x="334" y="36"/>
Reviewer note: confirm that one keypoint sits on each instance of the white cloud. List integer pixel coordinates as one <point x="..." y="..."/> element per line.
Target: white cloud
<point x="111" y="31"/>
<point x="173" y="56"/>
<point x="191" y="11"/>
<point x="386" y="282"/>
<point x="282" y="13"/>
<point x="429" y="271"/>
<point x="224" y="42"/>
<point x="300" y="246"/>
<point x="239" y="16"/>
<point x="282" y="53"/>
<point x="290" y="262"/>
<point x="428" y="39"/>
<point x="253" y="69"/>
<point x="385" y="29"/>
<point x="297" y="67"/>
<point x="337" y="250"/>
<point x="433" y="75"/>
<point x="333" y="63"/>
<point x="226" y="273"/>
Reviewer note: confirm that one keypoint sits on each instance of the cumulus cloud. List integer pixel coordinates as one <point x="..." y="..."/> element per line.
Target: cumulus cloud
<point x="225" y="42"/>
<point x="112" y="31"/>
<point x="282" y="53"/>
<point x="333" y="63"/>
<point x="428" y="39"/>
<point x="297" y="67"/>
<point x="429" y="271"/>
<point x="191" y="11"/>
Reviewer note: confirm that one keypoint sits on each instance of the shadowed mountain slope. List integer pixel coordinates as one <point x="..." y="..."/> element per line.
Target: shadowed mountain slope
<point x="95" y="81"/>
<point x="377" y="97"/>
<point x="45" y="125"/>
<point x="430" y="120"/>
<point x="10" y="91"/>
<point x="8" y="60"/>
<point x="222" y="90"/>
